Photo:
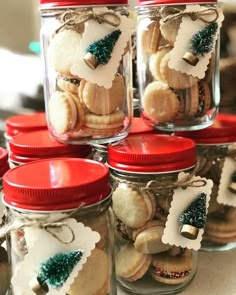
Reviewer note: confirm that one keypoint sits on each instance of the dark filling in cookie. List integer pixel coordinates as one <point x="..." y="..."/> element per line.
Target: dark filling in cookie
<point x="71" y="80"/>
<point x="170" y="274"/>
<point x="201" y="100"/>
<point x="122" y="230"/>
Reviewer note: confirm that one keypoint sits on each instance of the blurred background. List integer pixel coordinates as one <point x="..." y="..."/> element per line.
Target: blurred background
<point x="21" y="72"/>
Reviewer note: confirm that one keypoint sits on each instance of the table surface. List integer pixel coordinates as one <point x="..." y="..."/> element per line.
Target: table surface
<point x="216" y="275"/>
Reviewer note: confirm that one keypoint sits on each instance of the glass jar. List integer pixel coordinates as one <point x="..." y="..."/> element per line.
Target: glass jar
<point x="178" y="74"/>
<point x="138" y="127"/>
<point x="141" y="214"/>
<point x="23" y="123"/>
<point x="88" y="81"/>
<point x="62" y="221"/>
<point x="32" y="146"/>
<point x="216" y="147"/>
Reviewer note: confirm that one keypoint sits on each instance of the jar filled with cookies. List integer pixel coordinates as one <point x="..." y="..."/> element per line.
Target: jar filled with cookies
<point x="36" y="145"/>
<point x="177" y="59"/>
<point x="59" y="228"/>
<point x="216" y="148"/>
<point x="155" y="192"/>
<point x="88" y="79"/>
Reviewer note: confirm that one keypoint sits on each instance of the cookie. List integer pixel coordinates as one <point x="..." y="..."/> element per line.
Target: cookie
<point x="147" y="239"/>
<point x="122" y="231"/>
<point x="219" y="230"/>
<point x="155" y="62"/>
<point x="133" y="207"/>
<point x="173" y="78"/>
<point x="90" y="280"/>
<point x="160" y="103"/>
<point x="171" y="269"/>
<point x="131" y="265"/>
<point x="68" y="83"/>
<point x="104" y="122"/>
<point x="66" y="113"/>
<point x="163" y="207"/>
<point x="62" y="50"/>
<point x="150" y="37"/>
<point x="100" y="100"/>
<point x="169" y="29"/>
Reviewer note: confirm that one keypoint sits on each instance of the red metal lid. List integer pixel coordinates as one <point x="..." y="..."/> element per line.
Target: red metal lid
<point x="222" y="131"/>
<point x="25" y="123"/>
<point x="47" y="4"/>
<point x="139" y="126"/>
<point x="3" y="161"/>
<point x="155" y="2"/>
<point x="152" y="153"/>
<point x="30" y="146"/>
<point x="56" y="184"/>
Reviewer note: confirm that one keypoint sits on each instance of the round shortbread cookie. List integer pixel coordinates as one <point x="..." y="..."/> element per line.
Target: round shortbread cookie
<point x="89" y="280"/>
<point x="65" y="112"/>
<point x="171" y="269"/>
<point x="160" y="103"/>
<point x="100" y="100"/>
<point x="62" y="50"/>
<point x="98" y="133"/>
<point x="110" y="121"/>
<point x="173" y="78"/>
<point x="134" y="208"/>
<point x="150" y="37"/>
<point x="68" y="84"/>
<point x="169" y="29"/>
<point x="155" y="61"/>
<point x="131" y="265"/>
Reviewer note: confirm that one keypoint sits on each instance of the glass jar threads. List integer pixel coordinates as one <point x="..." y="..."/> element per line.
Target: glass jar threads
<point x="144" y="172"/>
<point x="216" y="152"/>
<point x="88" y="81"/>
<point x="61" y="220"/>
<point x="32" y="146"/>
<point x="177" y="59"/>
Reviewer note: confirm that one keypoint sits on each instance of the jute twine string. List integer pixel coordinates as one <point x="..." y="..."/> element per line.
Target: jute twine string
<point x="76" y="19"/>
<point x="21" y="222"/>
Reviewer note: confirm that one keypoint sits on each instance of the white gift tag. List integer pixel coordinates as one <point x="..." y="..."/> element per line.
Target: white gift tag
<point x="47" y="246"/>
<point x="182" y="198"/>
<point x="225" y="196"/>
<point x="103" y="75"/>
<point x="187" y="29"/>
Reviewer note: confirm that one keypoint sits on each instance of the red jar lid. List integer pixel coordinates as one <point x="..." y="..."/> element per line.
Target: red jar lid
<point x="25" y="123"/>
<point x="47" y="4"/>
<point x="155" y="2"/>
<point x="56" y="184"/>
<point x="222" y="131"/>
<point x="31" y="146"/>
<point x="3" y="161"/>
<point x="139" y="126"/>
<point x="152" y="153"/>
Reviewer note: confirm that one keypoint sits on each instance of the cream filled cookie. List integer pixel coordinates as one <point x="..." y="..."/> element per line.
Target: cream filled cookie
<point x="68" y="83"/>
<point x="150" y="37"/>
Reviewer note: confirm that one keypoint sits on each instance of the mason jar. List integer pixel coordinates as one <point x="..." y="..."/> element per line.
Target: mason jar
<point x="177" y="62"/>
<point x="88" y="81"/>
<point x="61" y="227"/>
<point x="36" y="145"/>
<point x="138" y="127"/>
<point x="23" y="123"/>
<point x="144" y="172"/>
<point x="216" y="147"/>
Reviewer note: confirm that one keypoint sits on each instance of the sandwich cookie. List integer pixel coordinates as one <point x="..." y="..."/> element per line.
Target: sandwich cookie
<point x="160" y="103"/>
<point x="90" y="280"/>
<point x="147" y="239"/>
<point x="131" y="265"/>
<point x="169" y="29"/>
<point x="66" y="113"/>
<point x="163" y="207"/>
<point x="171" y="269"/>
<point x="68" y="83"/>
<point x="62" y="50"/>
<point x="150" y="37"/>
<point x="173" y="78"/>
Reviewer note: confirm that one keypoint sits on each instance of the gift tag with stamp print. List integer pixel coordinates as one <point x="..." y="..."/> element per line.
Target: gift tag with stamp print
<point x="99" y="56"/>
<point x="182" y="199"/>
<point x="67" y="247"/>
<point x="186" y="45"/>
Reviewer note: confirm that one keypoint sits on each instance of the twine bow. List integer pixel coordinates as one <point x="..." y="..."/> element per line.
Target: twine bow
<point x="75" y="20"/>
<point x="23" y="221"/>
<point x="169" y="13"/>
